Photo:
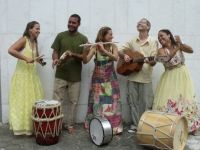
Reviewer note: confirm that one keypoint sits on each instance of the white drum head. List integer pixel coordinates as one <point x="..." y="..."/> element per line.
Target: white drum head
<point x="46" y="102"/>
<point x="96" y="131"/>
<point x="52" y="102"/>
<point x="181" y="134"/>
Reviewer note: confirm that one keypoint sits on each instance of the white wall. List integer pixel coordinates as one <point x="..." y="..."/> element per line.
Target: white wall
<point x="180" y="16"/>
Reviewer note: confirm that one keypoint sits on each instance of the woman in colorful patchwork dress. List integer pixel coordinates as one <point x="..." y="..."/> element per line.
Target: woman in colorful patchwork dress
<point x="104" y="97"/>
<point x="25" y="85"/>
<point x="175" y="91"/>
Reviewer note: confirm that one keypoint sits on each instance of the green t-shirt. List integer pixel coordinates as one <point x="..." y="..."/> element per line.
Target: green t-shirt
<point x="71" y="69"/>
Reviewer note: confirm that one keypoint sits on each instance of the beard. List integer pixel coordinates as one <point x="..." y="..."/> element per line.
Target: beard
<point x="72" y="29"/>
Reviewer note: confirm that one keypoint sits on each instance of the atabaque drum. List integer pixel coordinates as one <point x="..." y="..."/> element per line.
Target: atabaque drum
<point x="162" y="130"/>
<point x="100" y="131"/>
<point x="47" y="121"/>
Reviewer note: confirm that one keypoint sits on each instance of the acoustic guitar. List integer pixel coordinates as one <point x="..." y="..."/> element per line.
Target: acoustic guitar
<point x="136" y="63"/>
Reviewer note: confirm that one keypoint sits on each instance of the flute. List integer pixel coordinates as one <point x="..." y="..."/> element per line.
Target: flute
<point x="93" y="44"/>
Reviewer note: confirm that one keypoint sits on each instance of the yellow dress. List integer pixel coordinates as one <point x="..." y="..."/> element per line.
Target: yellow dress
<point x="175" y="92"/>
<point x="24" y="91"/>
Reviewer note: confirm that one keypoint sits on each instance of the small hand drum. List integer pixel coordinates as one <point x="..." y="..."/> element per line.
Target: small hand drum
<point x="100" y="131"/>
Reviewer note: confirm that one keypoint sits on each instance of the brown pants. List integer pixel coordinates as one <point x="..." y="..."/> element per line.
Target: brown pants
<point x="72" y="90"/>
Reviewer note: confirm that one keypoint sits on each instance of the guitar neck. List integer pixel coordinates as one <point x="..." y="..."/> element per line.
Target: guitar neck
<point x="141" y="60"/>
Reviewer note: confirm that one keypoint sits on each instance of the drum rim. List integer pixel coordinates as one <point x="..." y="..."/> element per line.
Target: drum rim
<point x="186" y="125"/>
<point x="177" y="120"/>
<point x="97" y="117"/>
<point x="46" y="106"/>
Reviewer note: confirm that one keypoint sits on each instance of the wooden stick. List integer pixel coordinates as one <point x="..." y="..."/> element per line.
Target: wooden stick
<point x="39" y="57"/>
<point x="93" y="44"/>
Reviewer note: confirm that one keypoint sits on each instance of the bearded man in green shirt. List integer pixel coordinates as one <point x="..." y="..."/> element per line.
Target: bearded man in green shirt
<point x="68" y="75"/>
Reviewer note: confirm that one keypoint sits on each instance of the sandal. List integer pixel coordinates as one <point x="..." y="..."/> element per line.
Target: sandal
<point x="132" y="129"/>
<point x="86" y="125"/>
<point x="70" y="130"/>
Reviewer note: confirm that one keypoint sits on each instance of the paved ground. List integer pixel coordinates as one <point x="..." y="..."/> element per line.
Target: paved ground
<point x="79" y="141"/>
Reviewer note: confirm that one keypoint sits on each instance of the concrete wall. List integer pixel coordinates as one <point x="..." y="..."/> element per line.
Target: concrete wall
<point x="0" y="94"/>
<point x="180" y="16"/>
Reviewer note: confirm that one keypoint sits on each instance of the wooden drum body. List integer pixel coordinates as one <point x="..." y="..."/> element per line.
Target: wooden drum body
<point x="162" y="130"/>
<point x="47" y="121"/>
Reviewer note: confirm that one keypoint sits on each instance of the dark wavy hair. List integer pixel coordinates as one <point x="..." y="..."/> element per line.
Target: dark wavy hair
<point x="168" y="32"/>
<point x="29" y="26"/>
<point x="76" y="16"/>
<point x="101" y="34"/>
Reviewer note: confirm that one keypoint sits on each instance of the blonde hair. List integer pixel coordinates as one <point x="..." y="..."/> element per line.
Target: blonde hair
<point x="102" y="33"/>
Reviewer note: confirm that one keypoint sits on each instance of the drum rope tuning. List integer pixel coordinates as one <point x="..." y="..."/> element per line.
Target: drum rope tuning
<point x="154" y="134"/>
<point x="47" y="121"/>
<point x="162" y="130"/>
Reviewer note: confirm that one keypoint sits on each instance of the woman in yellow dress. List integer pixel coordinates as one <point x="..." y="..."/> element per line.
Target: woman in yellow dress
<point x="25" y="85"/>
<point x="175" y="91"/>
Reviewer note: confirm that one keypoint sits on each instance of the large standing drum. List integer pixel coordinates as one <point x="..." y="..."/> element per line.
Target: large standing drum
<point x="47" y="121"/>
<point x="100" y="131"/>
<point x="162" y="130"/>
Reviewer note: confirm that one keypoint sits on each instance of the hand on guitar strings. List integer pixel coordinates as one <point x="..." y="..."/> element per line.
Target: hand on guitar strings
<point x="150" y="60"/>
<point x="127" y="58"/>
